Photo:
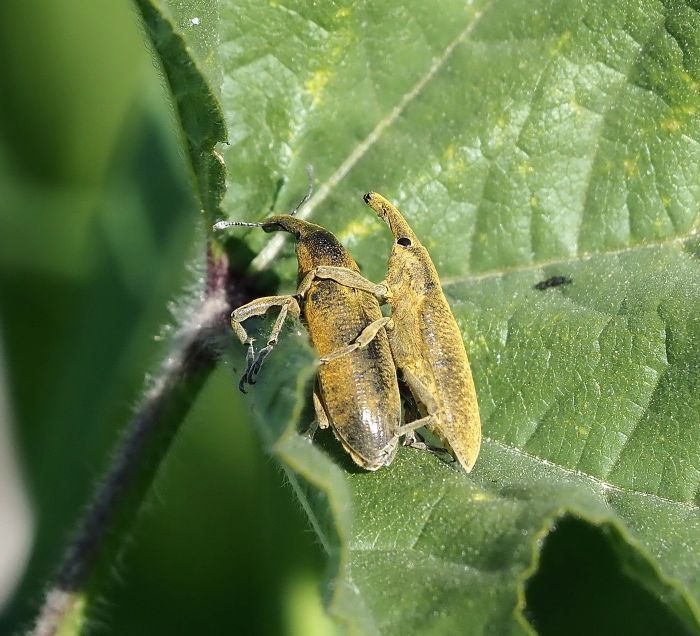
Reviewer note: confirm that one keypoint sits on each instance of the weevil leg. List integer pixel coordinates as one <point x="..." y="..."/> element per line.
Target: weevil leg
<point x="305" y="283"/>
<point x="311" y="431"/>
<point x="346" y="277"/>
<point x="259" y="307"/>
<point x="368" y="334"/>
<point x="246" y="341"/>
<point x="415" y="440"/>
<point x="407" y="429"/>
<point x="321" y="419"/>
<point x="422" y="393"/>
<point x="274" y="335"/>
<point x="419" y="390"/>
<point x="249" y="359"/>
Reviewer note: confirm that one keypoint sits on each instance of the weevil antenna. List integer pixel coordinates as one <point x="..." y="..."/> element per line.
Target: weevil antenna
<point x="222" y="225"/>
<point x="307" y="196"/>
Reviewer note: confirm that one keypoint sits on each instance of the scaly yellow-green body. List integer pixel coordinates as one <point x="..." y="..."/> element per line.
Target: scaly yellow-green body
<point x="359" y="392"/>
<point x="425" y="340"/>
<point x="356" y="395"/>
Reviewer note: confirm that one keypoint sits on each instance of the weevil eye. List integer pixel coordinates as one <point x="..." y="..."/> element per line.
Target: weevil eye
<point x="404" y="242"/>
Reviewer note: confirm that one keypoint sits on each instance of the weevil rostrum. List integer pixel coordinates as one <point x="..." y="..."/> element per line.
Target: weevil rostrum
<point x="356" y="395"/>
<point x="425" y="340"/>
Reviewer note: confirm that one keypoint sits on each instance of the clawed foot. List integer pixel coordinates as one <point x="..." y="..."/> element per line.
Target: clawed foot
<point x="250" y="361"/>
<point x="254" y="363"/>
<point x="311" y="431"/>
<point x="415" y="440"/>
<point x="262" y="355"/>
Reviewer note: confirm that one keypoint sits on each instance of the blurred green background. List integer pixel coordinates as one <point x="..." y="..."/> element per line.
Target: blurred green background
<point x="97" y="234"/>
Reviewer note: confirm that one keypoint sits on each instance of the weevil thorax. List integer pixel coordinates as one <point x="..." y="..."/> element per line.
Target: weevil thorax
<point x="317" y="247"/>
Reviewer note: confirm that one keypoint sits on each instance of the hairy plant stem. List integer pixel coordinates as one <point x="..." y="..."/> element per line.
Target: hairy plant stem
<point x="106" y="522"/>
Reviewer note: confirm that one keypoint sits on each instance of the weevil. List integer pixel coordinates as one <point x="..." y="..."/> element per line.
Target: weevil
<point x="424" y="337"/>
<point x="553" y="281"/>
<point x="357" y="395"/>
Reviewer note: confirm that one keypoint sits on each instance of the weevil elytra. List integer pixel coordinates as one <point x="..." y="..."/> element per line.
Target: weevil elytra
<point x="423" y="335"/>
<point x="356" y="395"/>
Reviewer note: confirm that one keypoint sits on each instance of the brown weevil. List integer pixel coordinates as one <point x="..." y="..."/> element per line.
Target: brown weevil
<point x="356" y="395"/>
<point x="425" y="340"/>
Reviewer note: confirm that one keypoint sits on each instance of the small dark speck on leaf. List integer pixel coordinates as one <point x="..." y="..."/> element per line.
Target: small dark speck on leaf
<point x="553" y="281"/>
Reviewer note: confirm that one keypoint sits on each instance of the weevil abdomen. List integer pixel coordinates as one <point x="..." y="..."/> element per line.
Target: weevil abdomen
<point x="359" y="391"/>
<point x="449" y="374"/>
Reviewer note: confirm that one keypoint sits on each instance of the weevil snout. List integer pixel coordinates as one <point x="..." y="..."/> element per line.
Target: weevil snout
<point x="403" y="234"/>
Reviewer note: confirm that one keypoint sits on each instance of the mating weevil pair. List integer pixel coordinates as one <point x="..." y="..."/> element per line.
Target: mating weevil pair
<point x="357" y="391"/>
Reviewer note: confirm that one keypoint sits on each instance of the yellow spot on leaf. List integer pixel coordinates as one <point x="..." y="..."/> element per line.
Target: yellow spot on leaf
<point x="343" y="12"/>
<point x="575" y="106"/>
<point x="688" y="79"/>
<point x="316" y="83"/>
<point x="630" y="166"/>
<point x="355" y="229"/>
<point x="560" y="43"/>
<point x="453" y="162"/>
<point x="672" y="125"/>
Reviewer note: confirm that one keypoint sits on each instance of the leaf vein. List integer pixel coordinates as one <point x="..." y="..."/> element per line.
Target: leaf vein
<point x="431" y="511"/>
<point x="605" y="486"/>
<point x="586" y="256"/>
<point x="269" y="253"/>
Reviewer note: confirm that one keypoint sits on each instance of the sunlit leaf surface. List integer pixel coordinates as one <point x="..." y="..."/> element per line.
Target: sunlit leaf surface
<point x="521" y="141"/>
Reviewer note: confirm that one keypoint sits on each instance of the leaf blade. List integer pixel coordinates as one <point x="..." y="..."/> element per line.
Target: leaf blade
<point x="520" y="144"/>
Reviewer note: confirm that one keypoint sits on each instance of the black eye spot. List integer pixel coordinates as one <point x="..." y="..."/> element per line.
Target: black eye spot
<point x="272" y="227"/>
<point x="405" y="242"/>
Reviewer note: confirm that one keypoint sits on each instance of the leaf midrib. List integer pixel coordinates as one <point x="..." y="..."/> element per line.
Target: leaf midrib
<point x="578" y="258"/>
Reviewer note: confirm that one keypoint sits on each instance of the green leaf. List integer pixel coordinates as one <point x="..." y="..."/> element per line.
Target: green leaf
<point x="521" y="141"/>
